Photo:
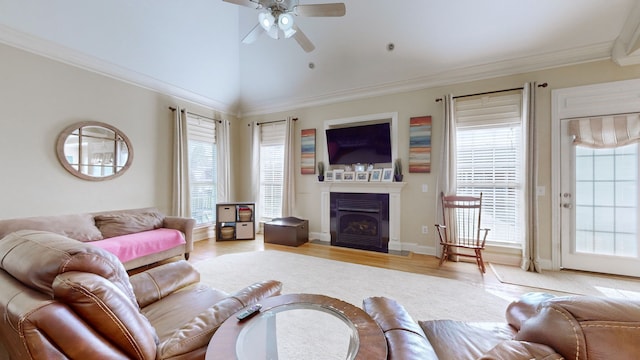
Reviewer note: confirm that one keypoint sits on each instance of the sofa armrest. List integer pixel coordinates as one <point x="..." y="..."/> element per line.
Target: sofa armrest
<point x="405" y="338"/>
<point x="525" y="308"/>
<point x="154" y="284"/>
<point x="586" y="327"/>
<point x="108" y="311"/>
<point x="197" y="333"/>
<point x="183" y="224"/>
<point x="253" y="293"/>
<point x="521" y="350"/>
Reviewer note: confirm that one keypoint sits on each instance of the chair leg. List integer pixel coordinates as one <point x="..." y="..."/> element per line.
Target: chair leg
<point x="480" y="261"/>
<point x="445" y="254"/>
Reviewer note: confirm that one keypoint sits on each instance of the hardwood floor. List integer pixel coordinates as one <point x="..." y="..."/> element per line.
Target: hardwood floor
<point x="415" y="263"/>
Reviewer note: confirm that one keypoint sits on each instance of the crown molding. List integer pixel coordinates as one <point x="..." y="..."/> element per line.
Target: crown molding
<point x="51" y="50"/>
<point x="75" y="58"/>
<point x="626" y="48"/>
<point x="597" y="52"/>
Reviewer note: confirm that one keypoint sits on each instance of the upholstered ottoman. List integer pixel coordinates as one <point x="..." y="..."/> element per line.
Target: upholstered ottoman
<point x="286" y="231"/>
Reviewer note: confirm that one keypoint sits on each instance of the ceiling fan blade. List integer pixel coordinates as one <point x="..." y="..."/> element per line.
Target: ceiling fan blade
<point x="303" y="40"/>
<point x="248" y="3"/>
<point x="253" y="35"/>
<point x="332" y="9"/>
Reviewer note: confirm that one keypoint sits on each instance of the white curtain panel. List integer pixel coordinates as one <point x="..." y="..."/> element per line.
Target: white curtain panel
<point x="289" y="183"/>
<point x="447" y="177"/>
<point x="223" y="161"/>
<point x="181" y="199"/>
<point x="255" y="172"/>
<point x="530" y="246"/>
<point x="446" y="182"/>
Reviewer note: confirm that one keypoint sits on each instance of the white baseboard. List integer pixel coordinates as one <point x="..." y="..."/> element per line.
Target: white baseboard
<point x="324" y="237"/>
<point x="504" y="256"/>
<point x="203" y="233"/>
<point x="395" y="245"/>
<point x="419" y="249"/>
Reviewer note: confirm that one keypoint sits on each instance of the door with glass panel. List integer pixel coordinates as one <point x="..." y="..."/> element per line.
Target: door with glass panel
<point x="599" y="197"/>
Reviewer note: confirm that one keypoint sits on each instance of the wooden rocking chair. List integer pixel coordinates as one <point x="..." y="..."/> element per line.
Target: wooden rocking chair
<point x="461" y="229"/>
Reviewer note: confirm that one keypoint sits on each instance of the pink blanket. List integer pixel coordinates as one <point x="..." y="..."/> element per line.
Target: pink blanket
<point x="132" y="246"/>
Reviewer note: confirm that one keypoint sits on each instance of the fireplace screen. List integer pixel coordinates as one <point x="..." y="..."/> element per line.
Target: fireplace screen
<point x="360" y="221"/>
<point x="359" y="225"/>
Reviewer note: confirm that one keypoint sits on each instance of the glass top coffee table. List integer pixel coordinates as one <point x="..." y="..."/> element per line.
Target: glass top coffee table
<point x="300" y="326"/>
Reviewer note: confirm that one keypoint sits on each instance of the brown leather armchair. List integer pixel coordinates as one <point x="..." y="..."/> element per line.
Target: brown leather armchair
<point x="64" y="299"/>
<point x="539" y="326"/>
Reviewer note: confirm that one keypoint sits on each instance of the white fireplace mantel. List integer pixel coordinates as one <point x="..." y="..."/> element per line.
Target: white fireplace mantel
<point x="394" y="190"/>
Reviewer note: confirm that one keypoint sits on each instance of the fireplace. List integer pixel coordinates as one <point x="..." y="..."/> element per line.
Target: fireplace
<point x="391" y="221"/>
<point x="360" y="220"/>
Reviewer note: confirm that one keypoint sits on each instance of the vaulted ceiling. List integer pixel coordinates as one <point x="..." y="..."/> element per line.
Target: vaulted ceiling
<point x="192" y="48"/>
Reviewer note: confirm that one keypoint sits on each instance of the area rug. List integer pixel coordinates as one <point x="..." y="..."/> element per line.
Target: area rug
<point x="571" y="282"/>
<point x="424" y="297"/>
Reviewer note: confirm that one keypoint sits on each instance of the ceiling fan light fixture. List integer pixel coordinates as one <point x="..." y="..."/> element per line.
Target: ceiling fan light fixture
<point x="280" y="13"/>
<point x="285" y="21"/>
<point x="273" y="33"/>
<point x="289" y="33"/>
<point x="266" y="20"/>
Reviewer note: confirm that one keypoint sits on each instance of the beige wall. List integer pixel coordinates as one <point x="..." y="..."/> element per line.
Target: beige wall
<point x="418" y="208"/>
<point x="39" y="98"/>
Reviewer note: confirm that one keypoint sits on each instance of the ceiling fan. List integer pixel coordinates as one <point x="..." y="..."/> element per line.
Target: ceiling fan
<point x="276" y="18"/>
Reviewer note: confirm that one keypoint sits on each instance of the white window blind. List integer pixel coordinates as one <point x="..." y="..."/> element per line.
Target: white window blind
<point x="271" y="169"/>
<point x="489" y="160"/>
<point x="201" y="137"/>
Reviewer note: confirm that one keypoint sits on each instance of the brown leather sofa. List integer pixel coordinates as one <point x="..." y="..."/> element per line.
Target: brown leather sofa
<point x="539" y="326"/>
<point x="64" y="299"/>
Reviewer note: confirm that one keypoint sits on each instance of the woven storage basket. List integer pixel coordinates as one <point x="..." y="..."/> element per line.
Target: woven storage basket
<point x="226" y="232"/>
<point x="244" y="214"/>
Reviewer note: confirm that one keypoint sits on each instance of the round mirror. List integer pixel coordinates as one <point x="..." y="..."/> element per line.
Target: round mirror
<point x="93" y="150"/>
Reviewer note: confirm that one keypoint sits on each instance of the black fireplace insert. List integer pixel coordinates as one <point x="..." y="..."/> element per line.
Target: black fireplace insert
<point x="360" y="221"/>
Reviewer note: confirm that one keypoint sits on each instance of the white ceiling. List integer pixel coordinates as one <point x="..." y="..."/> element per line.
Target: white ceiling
<point x="192" y="49"/>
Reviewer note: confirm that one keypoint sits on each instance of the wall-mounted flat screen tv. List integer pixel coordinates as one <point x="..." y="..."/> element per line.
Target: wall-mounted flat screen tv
<point x="359" y="144"/>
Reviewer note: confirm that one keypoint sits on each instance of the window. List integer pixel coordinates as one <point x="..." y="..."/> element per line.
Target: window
<point x="272" y="137"/>
<point x="490" y="160"/>
<point x="606" y="200"/>
<point x="202" y="169"/>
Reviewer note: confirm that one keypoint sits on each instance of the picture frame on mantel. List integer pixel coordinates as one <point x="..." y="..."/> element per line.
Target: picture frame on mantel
<point x="376" y="175"/>
<point x="328" y="176"/>
<point x="387" y="174"/>
<point x="362" y="176"/>
<point x="337" y="175"/>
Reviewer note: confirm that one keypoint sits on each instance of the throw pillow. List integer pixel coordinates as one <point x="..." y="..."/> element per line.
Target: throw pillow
<point x="117" y="224"/>
<point x="76" y="226"/>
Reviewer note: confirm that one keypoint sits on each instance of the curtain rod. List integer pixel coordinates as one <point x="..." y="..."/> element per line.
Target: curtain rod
<point x="543" y="85"/>
<point x="190" y="113"/>
<point x="273" y="121"/>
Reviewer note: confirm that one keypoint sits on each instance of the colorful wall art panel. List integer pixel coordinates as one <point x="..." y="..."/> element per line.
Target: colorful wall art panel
<point x="308" y="151"/>
<point x="420" y="144"/>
